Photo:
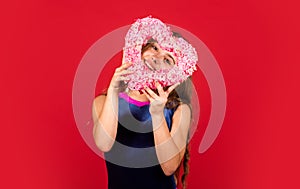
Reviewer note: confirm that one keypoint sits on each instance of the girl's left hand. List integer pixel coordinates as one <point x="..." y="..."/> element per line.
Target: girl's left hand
<point x="158" y="102"/>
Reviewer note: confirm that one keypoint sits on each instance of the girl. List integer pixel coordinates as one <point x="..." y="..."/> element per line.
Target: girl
<point x="144" y="134"/>
<point x="166" y="111"/>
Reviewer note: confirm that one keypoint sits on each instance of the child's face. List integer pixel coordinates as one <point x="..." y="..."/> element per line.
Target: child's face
<point x="156" y="58"/>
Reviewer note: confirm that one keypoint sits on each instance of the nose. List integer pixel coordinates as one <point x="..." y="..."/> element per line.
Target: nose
<point x="158" y="61"/>
<point x="158" y="58"/>
<point x="155" y="60"/>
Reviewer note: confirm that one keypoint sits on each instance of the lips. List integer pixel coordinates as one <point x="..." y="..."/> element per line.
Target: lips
<point x="148" y="64"/>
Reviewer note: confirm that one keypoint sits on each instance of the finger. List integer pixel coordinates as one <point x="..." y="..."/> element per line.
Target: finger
<point x="126" y="65"/>
<point x="147" y="95"/>
<point x="160" y="89"/>
<point x="125" y="72"/>
<point x="123" y="67"/>
<point x="122" y="78"/>
<point x="151" y="93"/>
<point x="172" y="87"/>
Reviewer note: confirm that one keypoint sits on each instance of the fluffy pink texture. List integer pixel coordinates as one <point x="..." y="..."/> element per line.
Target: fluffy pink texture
<point x="140" y="32"/>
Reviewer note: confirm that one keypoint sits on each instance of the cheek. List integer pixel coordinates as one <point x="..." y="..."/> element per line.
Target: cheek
<point x="165" y="66"/>
<point x="146" y="54"/>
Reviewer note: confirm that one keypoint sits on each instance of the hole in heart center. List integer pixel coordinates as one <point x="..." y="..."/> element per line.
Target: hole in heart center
<point x="156" y="58"/>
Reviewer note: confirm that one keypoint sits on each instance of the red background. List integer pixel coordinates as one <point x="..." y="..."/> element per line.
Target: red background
<point x="254" y="42"/>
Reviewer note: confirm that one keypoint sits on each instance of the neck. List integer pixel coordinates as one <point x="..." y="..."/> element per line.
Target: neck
<point x="137" y="96"/>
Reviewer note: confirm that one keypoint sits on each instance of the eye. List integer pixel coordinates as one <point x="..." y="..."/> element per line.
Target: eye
<point x="167" y="61"/>
<point x="154" y="47"/>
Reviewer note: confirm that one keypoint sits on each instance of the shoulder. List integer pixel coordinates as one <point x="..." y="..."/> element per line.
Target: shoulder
<point x="184" y="109"/>
<point x="99" y="99"/>
<point x="181" y="120"/>
<point x="183" y="113"/>
<point x="182" y="116"/>
<point x="97" y="106"/>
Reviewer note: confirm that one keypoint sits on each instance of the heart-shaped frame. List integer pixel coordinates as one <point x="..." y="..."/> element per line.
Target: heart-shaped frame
<point x="138" y="35"/>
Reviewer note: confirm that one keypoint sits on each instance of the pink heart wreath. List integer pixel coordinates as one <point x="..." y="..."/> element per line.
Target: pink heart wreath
<point x="183" y="52"/>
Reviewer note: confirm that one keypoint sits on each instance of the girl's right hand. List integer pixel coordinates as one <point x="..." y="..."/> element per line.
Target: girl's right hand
<point x="120" y="76"/>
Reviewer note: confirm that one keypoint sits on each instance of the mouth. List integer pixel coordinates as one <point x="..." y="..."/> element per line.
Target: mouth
<point x="149" y="65"/>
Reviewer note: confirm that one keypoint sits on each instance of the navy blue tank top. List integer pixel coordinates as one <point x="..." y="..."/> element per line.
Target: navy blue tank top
<point x="132" y="162"/>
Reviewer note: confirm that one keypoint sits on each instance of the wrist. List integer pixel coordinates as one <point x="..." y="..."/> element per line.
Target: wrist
<point x="157" y="111"/>
<point x="157" y="117"/>
<point x="158" y="120"/>
<point x="158" y="114"/>
<point x="113" y="90"/>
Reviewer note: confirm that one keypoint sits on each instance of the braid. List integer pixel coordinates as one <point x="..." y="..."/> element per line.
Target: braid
<point x="186" y="159"/>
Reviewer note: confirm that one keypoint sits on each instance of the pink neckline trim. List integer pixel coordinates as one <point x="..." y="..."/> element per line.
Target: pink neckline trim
<point x="133" y="101"/>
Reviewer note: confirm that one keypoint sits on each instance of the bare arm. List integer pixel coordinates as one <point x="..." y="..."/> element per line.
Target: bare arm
<point x="169" y="146"/>
<point x="105" y="112"/>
